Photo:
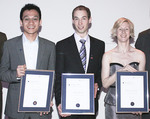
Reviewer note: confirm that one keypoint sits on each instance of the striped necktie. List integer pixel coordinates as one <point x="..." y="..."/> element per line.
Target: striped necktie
<point x="83" y="53"/>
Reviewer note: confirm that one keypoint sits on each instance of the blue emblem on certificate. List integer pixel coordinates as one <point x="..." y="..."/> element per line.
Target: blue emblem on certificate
<point x="35" y="103"/>
<point x="77" y="105"/>
<point x="132" y="103"/>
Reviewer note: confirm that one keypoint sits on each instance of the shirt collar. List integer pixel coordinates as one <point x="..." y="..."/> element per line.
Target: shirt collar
<point x="25" y="40"/>
<point x="78" y="38"/>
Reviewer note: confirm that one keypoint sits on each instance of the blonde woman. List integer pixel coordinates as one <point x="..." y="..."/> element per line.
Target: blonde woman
<point x="123" y="57"/>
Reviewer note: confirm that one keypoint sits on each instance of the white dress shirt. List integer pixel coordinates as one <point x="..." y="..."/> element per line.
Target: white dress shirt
<point x="87" y="46"/>
<point x="30" y="52"/>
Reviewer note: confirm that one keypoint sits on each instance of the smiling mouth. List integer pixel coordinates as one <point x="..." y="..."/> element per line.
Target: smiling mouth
<point x="31" y="27"/>
<point x="123" y="36"/>
<point x="80" y="28"/>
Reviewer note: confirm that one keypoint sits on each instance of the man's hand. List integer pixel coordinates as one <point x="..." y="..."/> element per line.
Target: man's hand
<point x="95" y="89"/>
<point x="60" y="112"/>
<point x="21" y="70"/>
<point x="41" y="113"/>
<point x="51" y="104"/>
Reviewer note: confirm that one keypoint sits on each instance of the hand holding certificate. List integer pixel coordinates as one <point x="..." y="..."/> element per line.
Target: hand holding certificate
<point x="36" y="91"/>
<point x="132" y="92"/>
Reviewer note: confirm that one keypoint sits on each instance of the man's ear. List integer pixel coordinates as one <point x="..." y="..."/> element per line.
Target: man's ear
<point x="90" y="20"/>
<point x="40" y="22"/>
<point x="21" y="26"/>
<point x="21" y="23"/>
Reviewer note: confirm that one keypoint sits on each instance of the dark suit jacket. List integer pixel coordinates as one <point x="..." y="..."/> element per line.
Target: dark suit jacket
<point x="143" y="43"/>
<point x="3" y="38"/>
<point x="68" y="61"/>
<point x="13" y="56"/>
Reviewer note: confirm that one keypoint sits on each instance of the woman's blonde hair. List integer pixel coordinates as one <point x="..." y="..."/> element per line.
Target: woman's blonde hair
<point x="117" y="24"/>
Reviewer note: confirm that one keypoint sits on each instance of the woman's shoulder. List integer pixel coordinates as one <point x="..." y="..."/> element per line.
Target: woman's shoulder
<point x="110" y="52"/>
<point x="109" y="55"/>
<point x="139" y="54"/>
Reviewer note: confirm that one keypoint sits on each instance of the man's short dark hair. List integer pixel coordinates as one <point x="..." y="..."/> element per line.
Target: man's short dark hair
<point x="30" y="7"/>
<point x="81" y="7"/>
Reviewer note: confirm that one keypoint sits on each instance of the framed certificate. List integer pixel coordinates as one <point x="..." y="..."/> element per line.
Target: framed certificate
<point x="36" y="91"/>
<point x="77" y="94"/>
<point x="132" y="92"/>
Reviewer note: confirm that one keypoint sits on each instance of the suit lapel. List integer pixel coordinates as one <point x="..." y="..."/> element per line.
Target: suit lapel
<point x="91" y="53"/>
<point x="19" y="46"/>
<point x="40" y="53"/>
<point x="75" y="53"/>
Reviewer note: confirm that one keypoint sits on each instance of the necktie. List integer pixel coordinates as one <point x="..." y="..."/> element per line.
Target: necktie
<point x="83" y="53"/>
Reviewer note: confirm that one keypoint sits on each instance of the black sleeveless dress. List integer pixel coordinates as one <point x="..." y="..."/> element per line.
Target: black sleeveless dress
<point x="110" y="99"/>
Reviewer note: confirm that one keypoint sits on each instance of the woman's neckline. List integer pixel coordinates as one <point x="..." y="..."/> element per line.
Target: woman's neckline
<point x="112" y="63"/>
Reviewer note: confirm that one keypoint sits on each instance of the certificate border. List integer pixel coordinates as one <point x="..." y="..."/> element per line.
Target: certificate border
<point x="118" y="93"/>
<point x="63" y="95"/>
<point x="49" y="95"/>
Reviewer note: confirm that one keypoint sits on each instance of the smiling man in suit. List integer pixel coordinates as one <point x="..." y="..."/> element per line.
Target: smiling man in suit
<point x="28" y="51"/>
<point x="68" y="57"/>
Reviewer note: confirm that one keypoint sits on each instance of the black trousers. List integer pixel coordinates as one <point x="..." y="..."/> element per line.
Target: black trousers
<point x="146" y="116"/>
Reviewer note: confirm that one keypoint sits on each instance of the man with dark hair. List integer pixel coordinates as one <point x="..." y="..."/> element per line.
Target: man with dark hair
<point x="68" y="58"/>
<point x="3" y="38"/>
<point x="25" y="52"/>
<point x="30" y="7"/>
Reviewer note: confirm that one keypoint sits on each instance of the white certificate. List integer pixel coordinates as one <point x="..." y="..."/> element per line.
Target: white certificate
<point x="132" y="92"/>
<point x="77" y="90"/>
<point x="77" y="94"/>
<point x="35" y="85"/>
<point x="36" y="91"/>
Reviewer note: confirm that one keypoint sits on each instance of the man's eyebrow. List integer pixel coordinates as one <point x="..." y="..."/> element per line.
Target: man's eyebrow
<point x="75" y="17"/>
<point x="30" y="16"/>
<point x="85" y="16"/>
<point x="78" y="17"/>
